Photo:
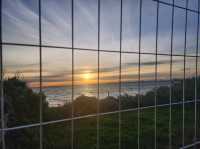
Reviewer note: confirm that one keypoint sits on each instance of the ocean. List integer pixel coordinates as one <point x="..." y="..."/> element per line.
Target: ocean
<point x="58" y="96"/>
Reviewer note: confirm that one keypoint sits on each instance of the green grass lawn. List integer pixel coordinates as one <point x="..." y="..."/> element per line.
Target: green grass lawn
<point x="85" y="130"/>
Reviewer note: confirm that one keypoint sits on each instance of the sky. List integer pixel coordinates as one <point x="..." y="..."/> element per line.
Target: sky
<point x="20" y="25"/>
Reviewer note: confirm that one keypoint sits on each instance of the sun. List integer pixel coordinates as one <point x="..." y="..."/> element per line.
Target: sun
<point x="87" y="76"/>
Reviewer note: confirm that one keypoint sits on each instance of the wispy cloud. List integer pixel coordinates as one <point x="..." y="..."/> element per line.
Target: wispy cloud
<point x="21" y="22"/>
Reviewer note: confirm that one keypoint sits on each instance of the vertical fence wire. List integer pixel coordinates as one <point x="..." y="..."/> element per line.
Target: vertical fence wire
<point x="156" y="76"/>
<point x="139" y="75"/>
<point x="98" y="71"/>
<point x="40" y="59"/>
<point x="72" y="40"/>
<point x="1" y="84"/>
<point x="170" y="89"/>
<point x="196" y="74"/>
<point x="120" y="76"/>
<point x="120" y="72"/>
<point x="184" y="74"/>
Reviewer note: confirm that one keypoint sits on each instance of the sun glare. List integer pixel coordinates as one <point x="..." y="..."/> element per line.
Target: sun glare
<point x="87" y="76"/>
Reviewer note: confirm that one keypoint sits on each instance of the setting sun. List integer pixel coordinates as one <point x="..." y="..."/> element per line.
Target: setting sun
<point x="87" y="76"/>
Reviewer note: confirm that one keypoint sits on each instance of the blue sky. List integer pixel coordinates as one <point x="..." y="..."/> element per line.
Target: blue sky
<point x="20" y="24"/>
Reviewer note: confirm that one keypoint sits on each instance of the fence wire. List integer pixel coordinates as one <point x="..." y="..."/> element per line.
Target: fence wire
<point x="137" y="109"/>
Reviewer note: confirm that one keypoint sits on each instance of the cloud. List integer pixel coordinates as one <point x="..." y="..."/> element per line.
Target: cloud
<point x="20" y="24"/>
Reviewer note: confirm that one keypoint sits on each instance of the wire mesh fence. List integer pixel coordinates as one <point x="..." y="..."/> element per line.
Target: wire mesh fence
<point x="84" y="90"/>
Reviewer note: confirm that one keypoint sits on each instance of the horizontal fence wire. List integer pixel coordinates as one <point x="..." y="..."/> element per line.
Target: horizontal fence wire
<point x="91" y="49"/>
<point x="137" y="109"/>
<point x="99" y="114"/>
<point x="177" y="6"/>
<point x="190" y="145"/>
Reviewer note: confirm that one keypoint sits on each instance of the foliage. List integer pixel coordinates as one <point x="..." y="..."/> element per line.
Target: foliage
<point x="22" y="106"/>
